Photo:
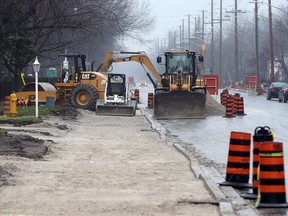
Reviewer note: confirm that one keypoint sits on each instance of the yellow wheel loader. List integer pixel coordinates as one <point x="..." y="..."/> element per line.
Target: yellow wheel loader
<point x="179" y="92"/>
<point x="117" y="100"/>
<point x="183" y="93"/>
<point x="79" y="87"/>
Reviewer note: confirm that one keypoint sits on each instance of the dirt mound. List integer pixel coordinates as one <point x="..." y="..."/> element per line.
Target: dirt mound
<point x="66" y="112"/>
<point x="213" y="107"/>
<point x="23" y="146"/>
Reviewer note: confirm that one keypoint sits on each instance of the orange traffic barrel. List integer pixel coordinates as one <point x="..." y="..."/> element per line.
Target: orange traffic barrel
<point x="223" y="98"/>
<point x="150" y="101"/>
<point x="272" y="191"/>
<point x="238" y="165"/>
<point x="229" y="107"/>
<point x="235" y="99"/>
<point x="6" y="110"/>
<point x="136" y="95"/>
<point x="261" y="134"/>
<point x="240" y="106"/>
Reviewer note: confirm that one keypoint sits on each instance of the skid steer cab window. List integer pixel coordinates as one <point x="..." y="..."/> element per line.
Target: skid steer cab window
<point x="180" y="62"/>
<point x="117" y="79"/>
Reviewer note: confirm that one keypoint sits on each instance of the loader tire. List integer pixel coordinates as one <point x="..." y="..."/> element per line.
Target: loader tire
<point x="84" y="96"/>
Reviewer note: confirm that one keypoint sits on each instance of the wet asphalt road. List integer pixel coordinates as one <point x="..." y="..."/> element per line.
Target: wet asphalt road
<point x="210" y="137"/>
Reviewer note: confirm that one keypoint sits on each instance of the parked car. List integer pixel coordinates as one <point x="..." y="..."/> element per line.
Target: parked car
<point x="283" y="94"/>
<point x="273" y="89"/>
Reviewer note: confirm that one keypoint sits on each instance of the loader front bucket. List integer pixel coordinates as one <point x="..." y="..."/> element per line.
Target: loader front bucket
<point x="180" y="105"/>
<point x="128" y="109"/>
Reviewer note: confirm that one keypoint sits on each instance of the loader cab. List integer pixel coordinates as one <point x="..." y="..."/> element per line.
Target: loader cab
<point x="184" y="61"/>
<point x="116" y="85"/>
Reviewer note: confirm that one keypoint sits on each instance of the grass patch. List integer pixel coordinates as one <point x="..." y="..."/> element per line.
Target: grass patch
<point x="26" y="115"/>
<point x="20" y="120"/>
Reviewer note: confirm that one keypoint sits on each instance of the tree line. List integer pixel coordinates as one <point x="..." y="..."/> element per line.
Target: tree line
<point x="45" y="28"/>
<point x="246" y="45"/>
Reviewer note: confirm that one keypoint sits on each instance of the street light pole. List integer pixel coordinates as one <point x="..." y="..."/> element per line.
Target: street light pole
<point x="236" y="42"/>
<point x="271" y="42"/>
<point x="36" y="68"/>
<point x="220" y="49"/>
<point x="212" y="38"/>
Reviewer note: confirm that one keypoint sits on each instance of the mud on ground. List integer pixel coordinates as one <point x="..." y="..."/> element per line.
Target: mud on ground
<point x="26" y="146"/>
<point x="22" y="146"/>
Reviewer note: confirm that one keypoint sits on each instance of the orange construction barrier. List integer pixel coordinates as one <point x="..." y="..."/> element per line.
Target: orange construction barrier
<point x="272" y="190"/>
<point x="229" y="107"/>
<point x="136" y="95"/>
<point x="6" y="110"/>
<point x="240" y="106"/>
<point x="235" y="99"/>
<point x="261" y="134"/>
<point x="223" y="99"/>
<point x="237" y="171"/>
<point x="150" y="101"/>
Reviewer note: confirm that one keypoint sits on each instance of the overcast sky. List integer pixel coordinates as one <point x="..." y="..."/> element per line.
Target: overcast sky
<point x="169" y="14"/>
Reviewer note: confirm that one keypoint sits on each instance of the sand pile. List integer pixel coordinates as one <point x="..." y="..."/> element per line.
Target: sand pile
<point x="213" y="107"/>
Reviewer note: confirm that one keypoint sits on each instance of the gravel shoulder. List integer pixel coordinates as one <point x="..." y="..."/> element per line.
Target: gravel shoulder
<point x="100" y="165"/>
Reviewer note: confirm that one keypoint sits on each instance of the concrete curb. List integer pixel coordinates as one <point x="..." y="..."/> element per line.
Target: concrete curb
<point x="209" y="176"/>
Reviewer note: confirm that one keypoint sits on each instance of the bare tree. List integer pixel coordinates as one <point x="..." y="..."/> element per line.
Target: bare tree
<point x="41" y="27"/>
<point x="280" y="41"/>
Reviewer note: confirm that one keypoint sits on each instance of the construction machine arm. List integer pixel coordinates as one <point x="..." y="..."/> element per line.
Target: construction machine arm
<point x="141" y="57"/>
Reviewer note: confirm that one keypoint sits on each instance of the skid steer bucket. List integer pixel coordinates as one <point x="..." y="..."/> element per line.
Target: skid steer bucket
<point x="180" y="105"/>
<point x="128" y="109"/>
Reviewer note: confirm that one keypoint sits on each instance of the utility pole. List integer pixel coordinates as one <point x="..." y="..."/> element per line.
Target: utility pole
<point x="175" y="38"/>
<point x="203" y="25"/>
<point x="183" y="44"/>
<point x="236" y="42"/>
<point x="236" y="38"/>
<point x="212" y="39"/>
<point x="220" y="50"/>
<point x="180" y="38"/>
<point x="271" y="43"/>
<point x="256" y="42"/>
<point x="195" y="35"/>
<point x="189" y="33"/>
